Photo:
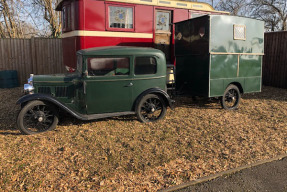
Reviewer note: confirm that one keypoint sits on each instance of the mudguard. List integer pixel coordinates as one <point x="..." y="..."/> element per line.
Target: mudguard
<point x="48" y="98"/>
<point x="157" y="91"/>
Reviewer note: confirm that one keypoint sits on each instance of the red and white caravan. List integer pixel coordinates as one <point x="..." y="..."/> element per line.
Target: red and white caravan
<point x="144" y="23"/>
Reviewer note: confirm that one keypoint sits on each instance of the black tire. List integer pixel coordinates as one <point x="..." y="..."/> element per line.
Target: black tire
<point x="151" y="108"/>
<point x="231" y="98"/>
<point x="37" y="117"/>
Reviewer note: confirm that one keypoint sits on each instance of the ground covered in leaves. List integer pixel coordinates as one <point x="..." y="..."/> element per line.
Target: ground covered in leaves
<point x="197" y="139"/>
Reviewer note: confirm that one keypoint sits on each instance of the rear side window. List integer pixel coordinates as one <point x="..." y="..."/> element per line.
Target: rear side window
<point x="145" y="66"/>
<point x="108" y="66"/>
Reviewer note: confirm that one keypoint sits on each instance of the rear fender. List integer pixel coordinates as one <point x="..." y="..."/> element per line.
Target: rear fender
<point x="157" y="91"/>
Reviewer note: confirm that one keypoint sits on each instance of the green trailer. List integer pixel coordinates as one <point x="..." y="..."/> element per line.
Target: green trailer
<point x="219" y="56"/>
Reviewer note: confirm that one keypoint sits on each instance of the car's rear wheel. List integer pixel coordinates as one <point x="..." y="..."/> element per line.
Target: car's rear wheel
<point x="151" y="108"/>
<point x="37" y="117"/>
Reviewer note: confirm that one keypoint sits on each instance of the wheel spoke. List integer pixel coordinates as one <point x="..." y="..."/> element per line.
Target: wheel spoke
<point x="32" y="112"/>
<point x="43" y="108"/>
<point x="48" y="121"/>
<point x="154" y="101"/>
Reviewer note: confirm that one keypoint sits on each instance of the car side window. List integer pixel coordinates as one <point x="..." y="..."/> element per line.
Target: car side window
<point x="145" y="65"/>
<point x="108" y="66"/>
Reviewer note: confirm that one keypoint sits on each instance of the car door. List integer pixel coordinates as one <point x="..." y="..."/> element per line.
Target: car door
<point x="148" y="73"/>
<point x="108" y="84"/>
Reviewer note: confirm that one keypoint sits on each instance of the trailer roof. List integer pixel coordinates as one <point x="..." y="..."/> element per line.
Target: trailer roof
<point x="227" y="16"/>
<point x="163" y="3"/>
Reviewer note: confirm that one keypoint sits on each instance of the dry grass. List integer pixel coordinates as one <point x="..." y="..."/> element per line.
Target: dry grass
<point x="196" y="139"/>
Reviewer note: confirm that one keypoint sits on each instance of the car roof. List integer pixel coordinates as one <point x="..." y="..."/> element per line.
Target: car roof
<point x="119" y="50"/>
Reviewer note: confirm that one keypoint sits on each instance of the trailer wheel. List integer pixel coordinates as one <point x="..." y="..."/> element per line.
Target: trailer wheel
<point x="231" y="98"/>
<point x="37" y="117"/>
<point x="151" y="108"/>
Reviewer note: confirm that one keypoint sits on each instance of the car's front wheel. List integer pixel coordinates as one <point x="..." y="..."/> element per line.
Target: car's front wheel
<point x="37" y="117"/>
<point x="151" y="108"/>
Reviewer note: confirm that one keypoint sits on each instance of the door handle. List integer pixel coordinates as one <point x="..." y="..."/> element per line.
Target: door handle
<point x="129" y="85"/>
<point x="85" y="87"/>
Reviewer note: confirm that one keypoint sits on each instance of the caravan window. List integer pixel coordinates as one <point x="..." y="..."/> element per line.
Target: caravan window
<point x="239" y="32"/>
<point x="121" y="18"/>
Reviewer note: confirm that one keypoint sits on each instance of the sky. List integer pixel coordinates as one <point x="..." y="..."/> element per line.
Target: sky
<point x="215" y="2"/>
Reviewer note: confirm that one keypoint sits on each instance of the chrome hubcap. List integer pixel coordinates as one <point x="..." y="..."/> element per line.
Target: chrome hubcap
<point x="40" y="119"/>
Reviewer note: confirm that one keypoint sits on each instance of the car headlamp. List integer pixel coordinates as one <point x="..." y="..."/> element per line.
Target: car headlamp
<point x="29" y="88"/>
<point x="30" y="80"/>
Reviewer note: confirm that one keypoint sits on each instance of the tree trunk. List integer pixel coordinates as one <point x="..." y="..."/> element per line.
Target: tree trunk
<point x="284" y="25"/>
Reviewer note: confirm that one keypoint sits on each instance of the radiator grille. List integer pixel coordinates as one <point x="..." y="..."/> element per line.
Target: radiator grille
<point x="44" y="90"/>
<point x="61" y="92"/>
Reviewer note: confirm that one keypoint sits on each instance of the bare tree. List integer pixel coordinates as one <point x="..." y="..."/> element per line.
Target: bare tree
<point x="10" y="25"/>
<point x="235" y="7"/>
<point x="273" y="12"/>
<point x="17" y="21"/>
<point x="26" y="18"/>
<point x="50" y="15"/>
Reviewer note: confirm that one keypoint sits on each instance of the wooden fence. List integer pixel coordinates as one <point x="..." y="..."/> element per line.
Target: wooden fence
<point x="44" y="56"/>
<point x="37" y="55"/>
<point x="275" y="59"/>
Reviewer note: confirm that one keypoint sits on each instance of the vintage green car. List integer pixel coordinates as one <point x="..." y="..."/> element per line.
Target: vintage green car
<point x="109" y="81"/>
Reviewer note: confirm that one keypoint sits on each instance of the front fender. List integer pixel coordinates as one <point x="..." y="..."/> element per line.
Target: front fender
<point x="48" y="98"/>
<point x="38" y="96"/>
<point x="157" y="91"/>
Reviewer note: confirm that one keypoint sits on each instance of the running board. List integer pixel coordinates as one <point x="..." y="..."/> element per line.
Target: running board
<point x="104" y="115"/>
